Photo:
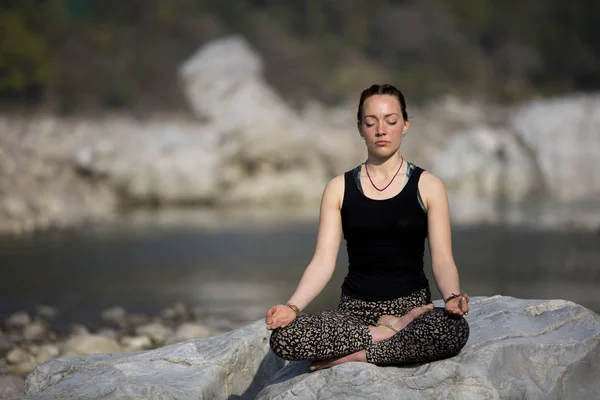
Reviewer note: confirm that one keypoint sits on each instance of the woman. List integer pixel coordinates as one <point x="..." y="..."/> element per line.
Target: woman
<point x="385" y="315"/>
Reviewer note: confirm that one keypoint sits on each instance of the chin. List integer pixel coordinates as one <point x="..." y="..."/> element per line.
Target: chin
<point x="384" y="152"/>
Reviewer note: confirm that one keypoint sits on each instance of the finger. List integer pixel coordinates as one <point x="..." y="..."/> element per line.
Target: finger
<point x="464" y="303"/>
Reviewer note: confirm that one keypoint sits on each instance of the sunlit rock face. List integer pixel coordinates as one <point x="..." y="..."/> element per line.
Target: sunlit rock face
<point x="244" y="145"/>
<point x="534" y="349"/>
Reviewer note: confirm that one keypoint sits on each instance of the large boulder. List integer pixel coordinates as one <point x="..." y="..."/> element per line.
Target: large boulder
<point x="245" y="145"/>
<point x="564" y="136"/>
<point x="534" y="349"/>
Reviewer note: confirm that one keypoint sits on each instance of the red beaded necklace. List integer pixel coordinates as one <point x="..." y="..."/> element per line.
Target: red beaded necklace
<point x="386" y="186"/>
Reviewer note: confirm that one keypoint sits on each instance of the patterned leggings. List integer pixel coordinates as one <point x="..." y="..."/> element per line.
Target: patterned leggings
<point x="432" y="336"/>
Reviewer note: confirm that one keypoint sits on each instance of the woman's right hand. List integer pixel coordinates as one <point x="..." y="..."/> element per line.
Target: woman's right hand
<point x="279" y="316"/>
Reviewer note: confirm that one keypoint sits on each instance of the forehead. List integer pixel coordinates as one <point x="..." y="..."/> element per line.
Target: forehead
<point x="381" y="104"/>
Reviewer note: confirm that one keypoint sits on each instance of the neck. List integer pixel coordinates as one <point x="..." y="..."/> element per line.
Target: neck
<point x="384" y="166"/>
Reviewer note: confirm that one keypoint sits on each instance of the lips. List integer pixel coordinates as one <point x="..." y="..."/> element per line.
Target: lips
<point x="381" y="143"/>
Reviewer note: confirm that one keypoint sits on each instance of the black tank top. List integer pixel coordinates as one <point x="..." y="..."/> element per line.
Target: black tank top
<point x="385" y="240"/>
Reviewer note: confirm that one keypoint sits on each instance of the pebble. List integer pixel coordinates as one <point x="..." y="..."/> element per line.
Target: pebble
<point x="29" y="342"/>
<point x="18" y="320"/>
<point x="11" y="386"/>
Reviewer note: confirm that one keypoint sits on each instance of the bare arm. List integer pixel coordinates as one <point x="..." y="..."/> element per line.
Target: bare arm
<point x="320" y="269"/>
<point x="444" y="268"/>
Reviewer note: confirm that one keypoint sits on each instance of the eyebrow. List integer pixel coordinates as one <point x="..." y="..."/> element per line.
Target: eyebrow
<point x="385" y="116"/>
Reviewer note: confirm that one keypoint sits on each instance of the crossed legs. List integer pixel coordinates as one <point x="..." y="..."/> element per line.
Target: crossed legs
<point x="360" y="331"/>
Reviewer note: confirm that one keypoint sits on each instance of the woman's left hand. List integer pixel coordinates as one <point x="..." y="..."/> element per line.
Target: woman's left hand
<point x="458" y="305"/>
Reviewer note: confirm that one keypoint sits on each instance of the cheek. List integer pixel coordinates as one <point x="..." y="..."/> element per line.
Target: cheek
<point x="368" y="130"/>
<point x="395" y="130"/>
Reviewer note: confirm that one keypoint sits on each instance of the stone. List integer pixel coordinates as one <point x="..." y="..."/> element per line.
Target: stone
<point x="517" y="349"/>
<point x="34" y="331"/>
<point x="483" y="166"/>
<point x="156" y="331"/>
<point x="562" y="134"/>
<point x="114" y="314"/>
<point x="90" y="344"/>
<point x="46" y="352"/>
<point x="136" y="343"/>
<point x="11" y="386"/>
<point x="78" y="329"/>
<point x="18" y="355"/>
<point x="189" y="330"/>
<point x="486" y="162"/>
<point x="18" y="320"/>
<point x="108" y="333"/>
<point x="23" y="368"/>
<point x="137" y="319"/>
<point x="223" y="367"/>
<point x="534" y="349"/>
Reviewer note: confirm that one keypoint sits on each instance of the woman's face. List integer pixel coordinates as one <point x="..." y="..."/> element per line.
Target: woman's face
<point x="382" y="126"/>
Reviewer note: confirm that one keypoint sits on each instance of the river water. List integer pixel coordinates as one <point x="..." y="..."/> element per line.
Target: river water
<point x="234" y="271"/>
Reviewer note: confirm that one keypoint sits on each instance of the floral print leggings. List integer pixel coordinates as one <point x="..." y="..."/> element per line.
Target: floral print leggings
<point x="432" y="336"/>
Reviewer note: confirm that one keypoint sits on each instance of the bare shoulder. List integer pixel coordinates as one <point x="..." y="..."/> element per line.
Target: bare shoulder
<point x="431" y="188"/>
<point x="334" y="191"/>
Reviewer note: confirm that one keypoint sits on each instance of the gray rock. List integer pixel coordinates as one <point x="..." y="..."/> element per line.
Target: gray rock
<point x="11" y="386"/>
<point x="530" y="349"/>
<point x="46" y="352"/>
<point x="563" y="135"/>
<point x="90" y="344"/>
<point x="189" y="330"/>
<point x="155" y="331"/>
<point x="517" y="349"/>
<point x="34" y="331"/>
<point x="18" y="320"/>
<point x="113" y="314"/>
<point x="18" y="355"/>
<point x="136" y="343"/>
<point x="108" y="333"/>
<point x="223" y="367"/>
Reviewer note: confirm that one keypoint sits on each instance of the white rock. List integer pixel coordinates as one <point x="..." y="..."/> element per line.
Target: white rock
<point x="47" y="352"/>
<point x="155" y="331"/>
<point x="189" y="330"/>
<point x="18" y="320"/>
<point x="564" y="135"/>
<point x="108" y="333"/>
<point x="17" y="356"/>
<point x="11" y="386"/>
<point x="34" y="331"/>
<point x="136" y="343"/>
<point x="114" y="314"/>
<point x="90" y="344"/>
<point x="488" y="163"/>
<point x="533" y="349"/>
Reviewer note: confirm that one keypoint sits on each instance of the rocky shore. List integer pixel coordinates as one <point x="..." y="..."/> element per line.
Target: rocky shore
<point x="28" y="340"/>
<point x="533" y="349"/>
<point x="532" y="164"/>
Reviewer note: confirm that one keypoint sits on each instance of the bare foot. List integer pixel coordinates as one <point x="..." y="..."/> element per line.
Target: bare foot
<point x="330" y="362"/>
<point x="388" y="325"/>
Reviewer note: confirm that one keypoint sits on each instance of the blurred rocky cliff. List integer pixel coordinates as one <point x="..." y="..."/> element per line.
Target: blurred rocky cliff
<point x="532" y="163"/>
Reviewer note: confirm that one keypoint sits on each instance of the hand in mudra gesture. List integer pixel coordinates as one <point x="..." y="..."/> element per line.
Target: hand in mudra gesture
<point x="458" y="305"/>
<point x="279" y="316"/>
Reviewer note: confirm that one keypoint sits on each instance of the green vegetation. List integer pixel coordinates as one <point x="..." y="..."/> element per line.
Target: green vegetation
<point x="90" y="55"/>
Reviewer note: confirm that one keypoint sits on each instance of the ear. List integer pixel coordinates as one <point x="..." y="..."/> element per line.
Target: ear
<point x="405" y="127"/>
